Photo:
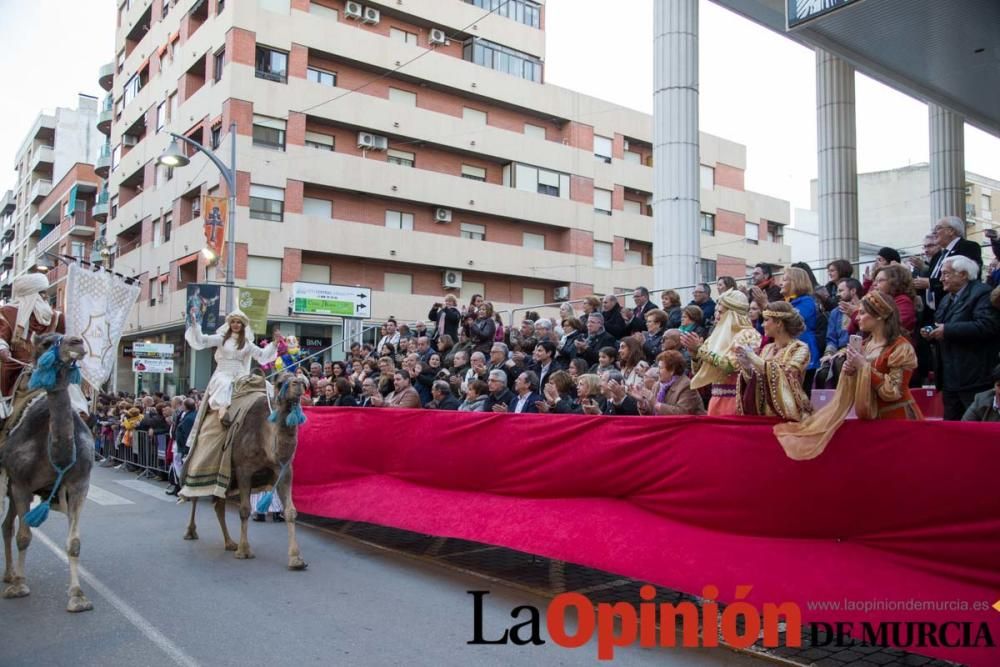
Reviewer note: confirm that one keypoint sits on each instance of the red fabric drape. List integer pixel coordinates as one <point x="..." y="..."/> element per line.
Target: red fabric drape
<point x="890" y="511"/>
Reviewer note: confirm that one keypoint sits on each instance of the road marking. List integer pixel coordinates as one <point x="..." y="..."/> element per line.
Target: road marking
<point x="147" y="488"/>
<point x="130" y="613"/>
<point x="104" y="497"/>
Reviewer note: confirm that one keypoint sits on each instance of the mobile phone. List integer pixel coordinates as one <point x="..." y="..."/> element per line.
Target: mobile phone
<point x="855" y="343"/>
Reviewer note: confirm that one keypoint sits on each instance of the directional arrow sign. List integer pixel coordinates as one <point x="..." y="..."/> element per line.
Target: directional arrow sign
<point x="319" y="299"/>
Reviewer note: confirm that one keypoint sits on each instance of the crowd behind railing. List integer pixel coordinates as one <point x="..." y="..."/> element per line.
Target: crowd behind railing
<point x="762" y="348"/>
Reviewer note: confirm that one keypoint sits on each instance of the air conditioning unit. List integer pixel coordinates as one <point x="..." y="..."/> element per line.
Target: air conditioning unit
<point x="438" y="36"/>
<point x="452" y="279"/>
<point x="442" y="215"/>
<point x="561" y="293"/>
<point x="372" y="142"/>
<point x="129" y="140"/>
<point x="371" y="15"/>
<point x="353" y="10"/>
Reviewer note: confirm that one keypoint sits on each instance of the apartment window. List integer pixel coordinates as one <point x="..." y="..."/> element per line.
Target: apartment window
<point x="216" y="136"/>
<point x="271" y="64"/>
<point x="403" y="36"/>
<point x="633" y="207"/>
<point x="320" y="208"/>
<point x="503" y="59"/>
<point x="603" y="148"/>
<point x="172" y="107"/>
<point x="77" y="249"/>
<point x="400" y="157"/>
<point x="775" y="232"/>
<point x="986" y="206"/>
<point x="269" y="132"/>
<point x="399" y="283"/>
<point x="708" y="271"/>
<point x="323" y="10"/>
<point x="267" y="203"/>
<point x="132" y="87"/>
<point x="318" y="140"/>
<point x="633" y="157"/>
<point x="116" y="157"/>
<point x="533" y="241"/>
<point x="707" y="177"/>
<point x="161" y="116"/>
<point x="475" y="115"/>
<point x="532" y="296"/>
<point x="534" y="131"/>
<point x="522" y="11"/>
<point x="602" y="255"/>
<point x="276" y="6"/>
<point x="474" y="232"/>
<point x="752" y="232"/>
<point x="542" y="181"/>
<point x="315" y="273"/>
<point x="156" y="234"/>
<point x="633" y="257"/>
<point x="321" y="76"/>
<point x="402" y="97"/>
<point x="264" y="272"/>
<point x="114" y="207"/>
<point x="219" y="6"/>
<point x="602" y="201"/>
<point x="218" y="64"/>
<point x="168" y="225"/>
<point x="708" y="223"/>
<point x="473" y="173"/>
<point x="399" y="220"/>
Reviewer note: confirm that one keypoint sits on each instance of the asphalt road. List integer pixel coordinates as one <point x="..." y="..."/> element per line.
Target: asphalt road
<point x="161" y="600"/>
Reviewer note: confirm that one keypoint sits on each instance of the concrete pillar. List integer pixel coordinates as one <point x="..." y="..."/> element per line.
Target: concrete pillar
<point x="947" y="130"/>
<point x="676" y="190"/>
<point x="838" y="161"/>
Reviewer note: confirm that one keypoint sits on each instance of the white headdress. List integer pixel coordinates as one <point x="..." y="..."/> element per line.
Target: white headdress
<point x="241" y="316"/>
<point x="26" y="295"/>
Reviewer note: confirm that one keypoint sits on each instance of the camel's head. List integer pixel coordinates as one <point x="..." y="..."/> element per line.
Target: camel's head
<point x="290" y="390"/>
<point x="55" y="361"/>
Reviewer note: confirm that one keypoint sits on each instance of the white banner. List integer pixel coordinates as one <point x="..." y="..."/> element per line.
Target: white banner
<point x="97" y="306"/>
<point x="149" y="365"/>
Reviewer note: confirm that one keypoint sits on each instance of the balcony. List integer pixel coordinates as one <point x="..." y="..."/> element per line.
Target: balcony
<point x="106" y="115"/>
<point x="43" y="159"/>
<point x="39" y="191"/>
<point x="100" y="212"/>
<point x="8" y="203"/>
<point x="106" y="76"/>
<point x="8" y="232"/>
<point x="49" y="240"/>
<point x="80" y="225"/>
<point x="103" y="165"/>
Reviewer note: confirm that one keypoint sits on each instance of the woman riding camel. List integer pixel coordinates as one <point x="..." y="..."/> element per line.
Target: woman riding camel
<point x="205" y="470"/>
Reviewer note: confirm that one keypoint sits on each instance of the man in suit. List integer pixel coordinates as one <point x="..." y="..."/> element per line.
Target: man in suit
<point x="642" y="307"/>
<point x="369" y="389"/>
<point x="403" y="394"/>
<point x="499" y="393"/>
<point x="950" y="233"/>
<point x="526" y="387"/>
<point x="544" y="361"/>
<point x="614" y="323"/>
<point x="967" y="334"/>
<point x="597" y="338"/>
<point x="443" y="398"/>
<point x="619" y="402"/>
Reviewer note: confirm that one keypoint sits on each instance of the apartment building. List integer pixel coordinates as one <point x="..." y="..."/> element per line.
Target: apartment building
<point x="412" y="148"/>
<point x="53" y="148"/>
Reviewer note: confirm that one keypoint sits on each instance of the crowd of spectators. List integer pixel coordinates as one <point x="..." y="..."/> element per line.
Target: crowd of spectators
<point x="605" y="356"/>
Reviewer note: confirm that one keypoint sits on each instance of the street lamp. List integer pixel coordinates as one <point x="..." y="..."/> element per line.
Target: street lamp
<point x="174" y="156"/>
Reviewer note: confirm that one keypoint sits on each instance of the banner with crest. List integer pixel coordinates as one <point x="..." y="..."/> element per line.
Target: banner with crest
<point x="97" y="306"/>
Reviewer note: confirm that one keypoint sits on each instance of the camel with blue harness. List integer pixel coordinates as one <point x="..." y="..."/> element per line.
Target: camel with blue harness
<point x="46" y="450"/>
<point x="260" y="442"/>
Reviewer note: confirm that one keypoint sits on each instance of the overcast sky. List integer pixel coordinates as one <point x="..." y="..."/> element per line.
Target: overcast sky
<point x="757" y="87"/>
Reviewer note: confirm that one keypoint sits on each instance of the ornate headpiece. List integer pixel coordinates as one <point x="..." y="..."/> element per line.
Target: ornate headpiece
<point x="878" y="305"/>
<point x="779" y="314"/>
<point x="735" y="300"/>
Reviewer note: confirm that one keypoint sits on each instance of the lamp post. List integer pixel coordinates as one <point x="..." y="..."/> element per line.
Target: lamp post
<point x="174" y="156"/>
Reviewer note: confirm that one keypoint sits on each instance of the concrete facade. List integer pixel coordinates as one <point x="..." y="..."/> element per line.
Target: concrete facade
<point x="558" y="184"/>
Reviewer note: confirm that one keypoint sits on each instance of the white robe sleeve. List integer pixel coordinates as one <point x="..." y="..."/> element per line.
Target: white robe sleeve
<point x="264" y="355"/>
<point x="199" y="341"/>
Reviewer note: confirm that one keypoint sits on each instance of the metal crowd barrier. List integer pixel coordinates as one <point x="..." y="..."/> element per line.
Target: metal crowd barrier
<point x="146" y="453"/>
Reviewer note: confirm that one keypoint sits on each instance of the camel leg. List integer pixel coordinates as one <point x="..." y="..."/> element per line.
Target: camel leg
<point x="220" y="512"/>
<point x="243" y="551"/>
<point x="284" y="490"/>
<point x="8" y="539"/>
<point x="192" y="530"/>
<point x="18" y="587"/>
<point x="74" y="505"/>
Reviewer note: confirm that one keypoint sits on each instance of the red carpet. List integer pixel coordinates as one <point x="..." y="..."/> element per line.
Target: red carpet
<point x="891" y="511"/>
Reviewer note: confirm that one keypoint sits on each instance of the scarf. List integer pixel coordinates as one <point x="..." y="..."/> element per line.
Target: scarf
<point x="664" y="386"/>
<point x="28" y="300"/>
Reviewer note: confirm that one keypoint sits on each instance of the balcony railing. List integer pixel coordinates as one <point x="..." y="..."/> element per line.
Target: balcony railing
<point x="48" y="240"/>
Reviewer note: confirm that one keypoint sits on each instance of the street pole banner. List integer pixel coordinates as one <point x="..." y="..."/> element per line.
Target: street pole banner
<point x="202" y="307"/>
<point x="97" y="306"/>
<point x="254" y="303"/>
<point x="216" y="212"/>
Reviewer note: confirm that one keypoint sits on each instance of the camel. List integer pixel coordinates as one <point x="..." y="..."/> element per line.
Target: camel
<point x="46" y="436"/>
<point x="263" y="445"/>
